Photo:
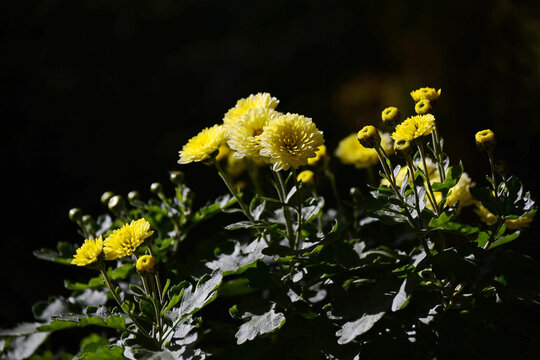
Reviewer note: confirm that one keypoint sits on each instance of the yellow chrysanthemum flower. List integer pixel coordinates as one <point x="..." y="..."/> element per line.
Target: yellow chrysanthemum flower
<point x="124" y="241"/>
<point x="146" y="264"/>
<point x="203" y="145"/>
<point x="260" y="100"/>
<point x="290" y="140"/>
<point x="369" y="137"/>
<point x="432" y="173"/>
<point x="351" y="152"/>
<point x="306" y="177"/>
<point x="89" y="252"/>
<point x="414" y="127"/>
<point x="425" y="93"/>
<point x="319" y="154"/>
<point x="245" y="133"/>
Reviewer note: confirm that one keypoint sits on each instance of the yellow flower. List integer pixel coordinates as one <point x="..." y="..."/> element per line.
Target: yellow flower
<point x="290" y="140"/>
<point x="351" y="152"/>
<point x="402" y="147"/>
<point x="425" y="93"/>
<point x="146" y="264"/>
<point x="432" y="173"/>
<point x="414" y="127"/>
<point x="485" y="140"/>
<point x="369" y="137"/>
<point x="124" y="241"/>
<point x="319" y="154"/>
<point x="519" y="223"/>
<point x="260" y="100"/>
<point x="513" y="224"/>
<point x="89" y="252"/>
<point x="390" y="115"/>
<point x="461" y="192"/>
<point x="422" y="107"/>
<point x="306" y="177"/>
<point x="245" y="133"/>
<point x="203" y="145"/>
<point x="487" y="217"/>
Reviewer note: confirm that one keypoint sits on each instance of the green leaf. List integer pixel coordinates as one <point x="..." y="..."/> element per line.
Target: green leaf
<point x="350" y="330"/>
<point x="259" y="325"/>
<point x="196" y="298"/>
<point x="242" y="257"/>
<point x="99" y="316"/>
<point x="122" y="272"/>
<point x="94" y="283"/>
<point x="105" y="353"/>
<point x="505" y="239"/>
<point x="402" y="298"/>
<point x="249" y="225"/>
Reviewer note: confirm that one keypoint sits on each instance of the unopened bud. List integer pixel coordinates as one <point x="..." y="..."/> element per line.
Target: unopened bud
<point x="177" y="177"/>
<point x="156" y="188"/>
<point x="422" y="107"/>
<point x="369" y="137"/>
<point x="75" y="214"/>
<point x="485" y="140"/>
<point x="116" y="203"/>
<point x="306" y="177"/>
<point x="86" y="219"/>
<point x="106" y="197"/>
<point x="133" y="196"/>
<point x="146" y="264"/>
<point x="390" y="116"/>
<point x="402" y="147"/>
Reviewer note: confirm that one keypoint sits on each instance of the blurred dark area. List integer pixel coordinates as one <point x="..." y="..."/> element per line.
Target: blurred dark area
<point x="100" y="95"/>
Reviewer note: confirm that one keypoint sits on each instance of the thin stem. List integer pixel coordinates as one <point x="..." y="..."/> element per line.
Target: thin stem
<point x="431" y="195"/>
<point x="286" y="214"/>
<point x="299" y="197"/>
<point x="115" y="296"/>
<point x="230" y="186"/>
<point x="438" y="152"/>
<point x="500" y="222"/>
<point x="330" y="175"/>
<point x="410" y="165"/>
<point x="493" y="177"/>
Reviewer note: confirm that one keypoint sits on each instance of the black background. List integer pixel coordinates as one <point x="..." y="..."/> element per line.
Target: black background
<point x="101" y="95"/>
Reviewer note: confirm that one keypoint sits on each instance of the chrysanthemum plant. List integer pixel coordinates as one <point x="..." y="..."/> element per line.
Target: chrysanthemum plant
<point x="401" y="268"/>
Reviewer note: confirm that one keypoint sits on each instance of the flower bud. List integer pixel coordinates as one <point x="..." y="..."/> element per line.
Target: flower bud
<point x="156" y="188"/>
<point x="485" y="140"/>
<point x="402" y="147"/>
<point x="133" y="196"/>
<point x="87" y="219"/>
<point x="425" y="93"/>
<point x="369" y="137"/>
<point x="146" y="264"/>
<point x="116" y="203"/>
<point x="75" y="214"/>
<point x="306" y="177"/>
<point x="354" y="191"/>
<point x="422" y="107"/>
<point x="319" y="154"/>
<point x="390" y="116"/>
<point x="106" y="197"/>
<point x="176" y="177"/>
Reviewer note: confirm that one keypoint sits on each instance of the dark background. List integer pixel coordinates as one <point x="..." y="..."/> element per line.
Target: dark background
<point x="100" y="95"/>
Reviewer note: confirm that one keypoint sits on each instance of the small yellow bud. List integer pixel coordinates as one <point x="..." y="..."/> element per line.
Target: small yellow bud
<point x="116" y="203"/>
<point x="402" y="147"/>
<point x="146" y="264"/>
<point x="422" y="107"/>
<point x="485" y="140"/>
<point x="390" y="115"/>
<point x="425" y="93"/>
<point x="306" y="177"/>
<point x="369" y="137"/>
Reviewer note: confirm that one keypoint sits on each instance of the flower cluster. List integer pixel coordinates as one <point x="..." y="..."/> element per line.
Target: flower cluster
<point x="122" y="242"/>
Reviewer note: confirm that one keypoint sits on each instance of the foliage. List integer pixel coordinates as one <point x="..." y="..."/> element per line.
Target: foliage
<point x="401" y="269"/>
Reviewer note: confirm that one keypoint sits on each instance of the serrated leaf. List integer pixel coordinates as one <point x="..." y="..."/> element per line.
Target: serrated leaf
<point x="259" y="325"/>
<point x="105" y="353"/>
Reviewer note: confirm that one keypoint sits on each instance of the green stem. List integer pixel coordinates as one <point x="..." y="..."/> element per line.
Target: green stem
<point x="230" y="186"/>
<point x="410" y="165"/>
<point x="286" y="214"/>
<point x="330" y="175"/>
<point x="115" y="296"/>
<point x="431" y="195"/>
<point x="438" y="152"/>
<point x="299" y="197"/>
